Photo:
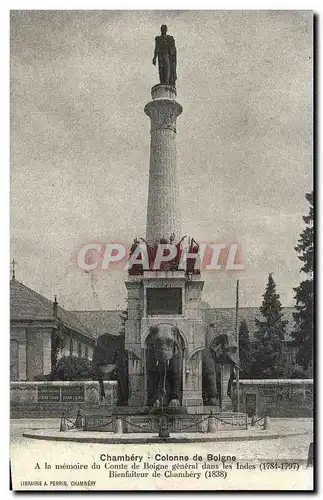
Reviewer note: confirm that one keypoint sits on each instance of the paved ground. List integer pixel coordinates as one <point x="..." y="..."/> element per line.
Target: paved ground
<point x="27" y="452"/>
<point x="295" y="446"/>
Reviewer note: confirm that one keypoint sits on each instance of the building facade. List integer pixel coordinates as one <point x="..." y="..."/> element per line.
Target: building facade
<point x="41" y="332"/>
<point x="36" y="322"/>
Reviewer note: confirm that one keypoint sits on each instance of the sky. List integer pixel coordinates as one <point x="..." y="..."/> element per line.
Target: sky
<point x="80" y="143"/>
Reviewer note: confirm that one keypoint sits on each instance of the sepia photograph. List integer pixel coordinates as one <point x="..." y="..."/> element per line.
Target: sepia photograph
<point x="162" y="250"/>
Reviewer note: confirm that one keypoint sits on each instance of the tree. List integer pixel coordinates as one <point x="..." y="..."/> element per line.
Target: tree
<point x="244" y="349"/>
<point x="267" y="356"/>
<point x="73" y="368"/>
<point x="303" y="317"/>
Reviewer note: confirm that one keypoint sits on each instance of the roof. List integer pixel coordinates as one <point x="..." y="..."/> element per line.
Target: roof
<point x="101" y="322"/>
<point x="26" y="304"/>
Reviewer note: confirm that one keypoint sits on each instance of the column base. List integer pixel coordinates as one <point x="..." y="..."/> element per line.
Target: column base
<point x="136" y="399"/>
<point x="226" y="405"/>
<point x="225" y="400"/>
<point x="192" y="402"/>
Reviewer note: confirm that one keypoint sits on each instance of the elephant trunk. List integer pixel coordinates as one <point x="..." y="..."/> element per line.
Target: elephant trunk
<point x="166" y="367"/>
<point x="162" y="379"/>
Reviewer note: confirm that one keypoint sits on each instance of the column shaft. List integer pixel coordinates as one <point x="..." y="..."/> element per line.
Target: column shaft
<point x="22" y="360"/>
<point x="163" y="212"/>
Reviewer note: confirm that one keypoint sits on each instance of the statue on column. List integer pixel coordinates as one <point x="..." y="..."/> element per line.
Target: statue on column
<point x="165" y="51"/>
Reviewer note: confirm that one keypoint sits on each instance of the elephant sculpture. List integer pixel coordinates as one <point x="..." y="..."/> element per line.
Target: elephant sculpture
<point x="110" y="362"/>
<point x="164" y="366"/>
<point x="164" y="361"/>
<point x="209" y="378"/>
<point x="224" y="349"/>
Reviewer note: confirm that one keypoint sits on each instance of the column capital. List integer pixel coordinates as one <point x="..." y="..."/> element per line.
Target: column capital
<point x="163" y="113"/>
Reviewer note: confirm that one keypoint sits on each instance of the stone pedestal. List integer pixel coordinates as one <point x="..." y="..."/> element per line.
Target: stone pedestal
<point x="163" y="214"/>
<point x="133" y="341"/>
<point x="190" y="325"/>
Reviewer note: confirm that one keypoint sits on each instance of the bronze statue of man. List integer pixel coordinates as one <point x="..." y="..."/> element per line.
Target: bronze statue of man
<point x="165" y="50"/>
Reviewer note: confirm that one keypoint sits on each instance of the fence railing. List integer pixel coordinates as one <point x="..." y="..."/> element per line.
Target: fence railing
<point x="151" y="423"/>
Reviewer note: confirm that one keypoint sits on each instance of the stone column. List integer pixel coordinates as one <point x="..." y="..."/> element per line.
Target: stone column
<point x="22" y="360"/>
<point x="67" y="346"/>
<point x="18" y="354"/>
<point x="163" y="214"/>
<point x="90" y="352"/>
<point x="47" y="352"/>
<point x="75" y="347"/>
<point x="14" y="361"/>
<point x="137" y="393"/>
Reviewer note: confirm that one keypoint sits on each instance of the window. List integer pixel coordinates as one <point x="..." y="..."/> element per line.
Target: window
<point x="79" y="349"/>
<point x="86" y="351"/>
<point x="71" y="347"/>
<point x="164" y="301"/>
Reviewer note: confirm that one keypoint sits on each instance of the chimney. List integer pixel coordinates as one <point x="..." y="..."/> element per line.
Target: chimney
<point x="55" y="306"/>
